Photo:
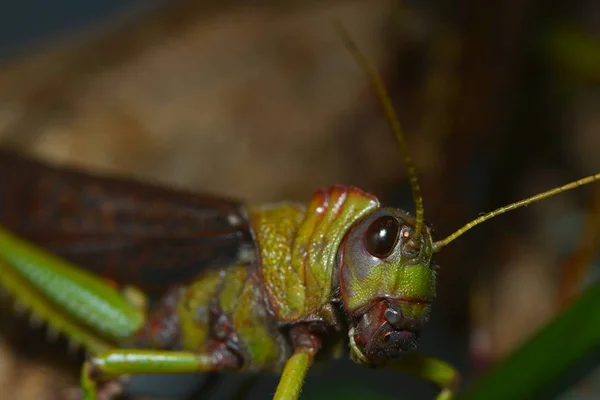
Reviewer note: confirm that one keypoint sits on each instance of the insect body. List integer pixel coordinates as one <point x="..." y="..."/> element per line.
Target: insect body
<point x="342" y="264"/>
<point x="251" y="288"/>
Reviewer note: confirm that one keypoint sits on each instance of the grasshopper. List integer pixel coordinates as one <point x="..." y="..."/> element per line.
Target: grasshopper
<point x="252" y="288"/>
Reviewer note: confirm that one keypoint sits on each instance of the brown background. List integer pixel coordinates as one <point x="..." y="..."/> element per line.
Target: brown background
<point x="262" y="102"/>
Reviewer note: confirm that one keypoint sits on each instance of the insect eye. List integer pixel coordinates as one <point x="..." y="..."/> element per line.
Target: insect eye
<point x="381" y="237"/>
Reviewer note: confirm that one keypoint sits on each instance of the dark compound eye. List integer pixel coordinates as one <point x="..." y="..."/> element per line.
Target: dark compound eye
<point x="381" y="237"/>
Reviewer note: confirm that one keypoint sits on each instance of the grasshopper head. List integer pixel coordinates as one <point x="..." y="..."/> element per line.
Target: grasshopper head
<point x="387" y="283"/>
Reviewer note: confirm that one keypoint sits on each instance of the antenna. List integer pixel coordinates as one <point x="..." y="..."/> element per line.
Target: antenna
<point x="394" y="123"/>
<point x="437" y="246"/>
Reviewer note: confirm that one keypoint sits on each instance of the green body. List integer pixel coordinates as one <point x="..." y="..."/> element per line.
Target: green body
<point x="259" y="316"/>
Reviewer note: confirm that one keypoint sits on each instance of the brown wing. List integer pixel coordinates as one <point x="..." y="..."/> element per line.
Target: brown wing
<point x="127" y="231"/>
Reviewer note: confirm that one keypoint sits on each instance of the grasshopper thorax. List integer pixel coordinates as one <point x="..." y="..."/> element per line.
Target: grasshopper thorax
<point x="386" y="283"/>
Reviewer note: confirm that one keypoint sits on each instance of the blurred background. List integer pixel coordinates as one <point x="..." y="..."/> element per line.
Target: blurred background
<point x="262" y="102"/>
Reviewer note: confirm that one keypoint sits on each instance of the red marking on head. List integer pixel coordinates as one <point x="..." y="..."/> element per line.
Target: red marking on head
<point x="320" y="195"/>
<point x="319" y="202"/>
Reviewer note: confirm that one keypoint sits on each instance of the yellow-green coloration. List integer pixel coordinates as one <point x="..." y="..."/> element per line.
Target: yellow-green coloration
<point x="239" y="299"/>
<point x="275" y="228"/>
<point x="395" y="277"/>
<point x="92" y="312"/>
<point x="38" y="304"/>
<point x="298" y="248"/>
<point x="194" y="310"/>
<point x="117" y="362"/>
<point x="293" y="375"/>
<point x="416" y="310"/>
<point x="130" y="361"/>
<point x="254" y="317"/>
<point x="234" y="283"/>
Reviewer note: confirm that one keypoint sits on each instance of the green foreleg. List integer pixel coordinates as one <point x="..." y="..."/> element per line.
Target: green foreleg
<point x="115" y="363"/>
<point x="430" y="369"/>
<point x="293" y="375"/>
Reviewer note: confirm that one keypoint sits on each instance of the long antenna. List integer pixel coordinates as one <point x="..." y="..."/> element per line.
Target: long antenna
<point x="394" y="123"/>
<point x="437" y="246"/>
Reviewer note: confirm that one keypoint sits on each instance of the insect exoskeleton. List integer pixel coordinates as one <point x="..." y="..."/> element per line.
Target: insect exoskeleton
<point x="387" y="284"/>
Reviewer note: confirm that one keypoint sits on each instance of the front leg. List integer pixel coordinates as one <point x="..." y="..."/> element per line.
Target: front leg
<point x="293" y="375"/>
<point x="115" y="363"/>
<point x="431" y="369"/>
<point x="306" y="346"/>
<point x="444" y="375"/>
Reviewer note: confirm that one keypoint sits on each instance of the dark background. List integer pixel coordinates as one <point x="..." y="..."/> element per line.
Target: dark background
<point x="499" y="101"/>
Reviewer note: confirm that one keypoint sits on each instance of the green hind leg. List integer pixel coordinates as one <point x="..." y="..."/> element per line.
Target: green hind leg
<point x="69" y="299"/>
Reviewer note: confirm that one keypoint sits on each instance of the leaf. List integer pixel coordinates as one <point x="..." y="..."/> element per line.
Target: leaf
<point x="546" y="356"/>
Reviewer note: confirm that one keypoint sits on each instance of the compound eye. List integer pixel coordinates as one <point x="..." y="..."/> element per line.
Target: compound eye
<point x="381" y="237"/>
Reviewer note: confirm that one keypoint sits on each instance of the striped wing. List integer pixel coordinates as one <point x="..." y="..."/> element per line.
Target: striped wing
<point x="127" y="231"/>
